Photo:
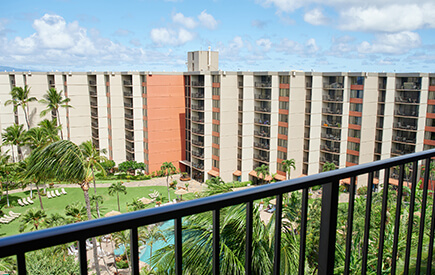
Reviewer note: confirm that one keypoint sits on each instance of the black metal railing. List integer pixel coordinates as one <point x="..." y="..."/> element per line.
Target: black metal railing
<point x="20" y="244"/>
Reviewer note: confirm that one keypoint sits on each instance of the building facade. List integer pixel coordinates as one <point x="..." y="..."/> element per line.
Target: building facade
<point x="216" y="123"/>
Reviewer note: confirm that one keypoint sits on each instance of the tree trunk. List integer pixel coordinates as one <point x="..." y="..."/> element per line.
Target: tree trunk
<point x="95" y="192"/>
<point x="151" y="251"/>
<point x="113" y="252"/>
<point x="31" y="191"/>
<point x="39" y="195"/>
<point x="117" y="196"/>
<point x="167" y="187"/>
<point x="13" y="155"/>
<point x="7" y="193"/>
<point x="57" y="124"/>
<point x="104" y="260"/>
<point x="85" y="188"/>
<point x="27" y="119"/>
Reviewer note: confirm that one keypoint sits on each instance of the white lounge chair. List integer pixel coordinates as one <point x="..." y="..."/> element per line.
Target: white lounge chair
<point x="29" y="200"/>
<point x="25" y="202"/>
<point x="2" y="220"/>
<point x="57" y="193"/>
<point x="49" y="195"/>
<point x="13" y="214"/>
<point x="64" y="192"/>
<point x="53" y="194"/>
<point x="20" y="202"/>
<point x="8" y="217"/>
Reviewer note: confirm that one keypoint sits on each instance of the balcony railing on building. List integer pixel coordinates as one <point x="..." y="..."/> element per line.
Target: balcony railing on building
<point x="405" y="126"/>
<point x="197" y="95"/>
<point x="333" y="111"/>
<point x="262" y="97"/>
<point x="261" y="145"/>
<point x="198" y="131"/>
<point x="198" y="143"/>
<point x="198" y="107"/>
<point x="331" y="137"/>
<point x="127" y="83"/>
<point x="197" y="84"/>
<point x="408" y="86"/>
<point x="261" y="158"/>
<point x="198" y="166"/>
<point x="262" y="122"/>
<point x="333" y="99"/>
<point x="262" y="133"/>
<point x="263" y="84"/>
<point x="198" y="154"/>
<point x="262" y="109"/>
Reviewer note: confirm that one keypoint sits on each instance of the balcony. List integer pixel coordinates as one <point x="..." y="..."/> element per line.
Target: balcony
<point x="409" y="113"/>
<point x="198" y="166"/>
<point x="333" y="86"/>
<point x="330" y="149"/>
<point x="94" y="114"/>
<point x="128" y="116"/>
<point x="262" y="122"/>
<point x="262" y="134"/>
<point x="330" y="230"/>
<point x="331" y="111"/>
<point x="127" y="83"/>
<point x="263" y="84"/>
<point x="409" y="86"/>
<point x="197" y="95"/>
<point x="402" y="126"/>
<point x="331" y="137"/>
<point x="93" y="93"/>
<point x="92" y="83"/>
<point x="328" y="98"/>
<point x="262" y="97"/>
<point x="198" y="131"/>
<point x="261" y="158"/>
<point x="262" y="109"/>
<point x="128" y="94"/>
<point x="128" y="105"/>
<point x="197" y="84"/>
<point x="198" y="143"/>
<point x="197" y="107"/>
<point x="197" y="119"/>
<point x="198" y="155"/>
<point x="261" y="146"/>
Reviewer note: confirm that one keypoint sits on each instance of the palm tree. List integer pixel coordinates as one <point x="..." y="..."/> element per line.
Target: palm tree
<point x="94" y="159"/>
<point x="328" y="166"/>
<point x="33" y="217"/>
<point x="76" y="211"/>
<point x="96" y="200"/>
<point x="4" y="174"/>
<point x="55" y="219"/>
<point x="168" y="168"/>
<point x="54" y="100"/>
<point x="64" y="161"/>
<point x="215" y="181"/>
<point x="136" y="205"/>
<point x="14" y="135"/>
<point x="288" y="164"/>
<point x="262" y="172"/>
<point x="36" y="137"/>
<point x="115" y="188"/>
<point x="20" y="97"/>
<point x="51" y="129"/>
<point x="149" y="235"/>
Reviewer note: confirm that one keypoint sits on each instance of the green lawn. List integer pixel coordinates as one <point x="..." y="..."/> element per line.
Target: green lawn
<point x="58" y="204"/>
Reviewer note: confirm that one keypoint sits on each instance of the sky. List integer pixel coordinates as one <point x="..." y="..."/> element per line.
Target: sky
<point x="250" y="35"/>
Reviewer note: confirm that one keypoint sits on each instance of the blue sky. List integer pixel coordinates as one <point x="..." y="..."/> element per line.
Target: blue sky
<point x="255" y="35"/>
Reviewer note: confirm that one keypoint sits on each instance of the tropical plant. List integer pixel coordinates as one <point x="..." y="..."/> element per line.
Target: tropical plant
<point x="14" y="135"/>
<point x="51" y="260"/>
<point x="149" y="235"/>
<point x="130" y="165"/>
<point x="108" y="166"/>
<point x="287" y="165"/>
<point x="123" y="238"/>
<point x="198" y="242"/>
<point x="262" y="172"/>
<point x="136" y="205"/>
<point x="93" y="158"/>
<point x="117" y="188"/>
<point x="55" y="219"/>
<point x="4" y="175"/>
<point x="64" y="161"/>
<point x="96" y="200"/>
<point x="54" y="100"/>
<point x="76" y="211"/>
<point x="20" y="97"/>
<point x="51" y="129"/>
<point x="32" y="217"/>
<point x="36" y="137"/>
<point x="168" y="168"/>
<point x="328" y="166"/>
<point x="214" y="180"/>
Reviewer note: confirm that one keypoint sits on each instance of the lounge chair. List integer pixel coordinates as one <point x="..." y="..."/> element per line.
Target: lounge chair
<point x="8" y="218"/>
<point x="53" y="194"/>
<point x="29" y="200"/>
<point x="57" y="192"/>
<point x="2" y="220"/>
<point x="63" y="191"/>
<point x="48" y="195"/>
<point x="20" y="202"/>
<point x="13" y="214"/>
<point x="25" y="202"/>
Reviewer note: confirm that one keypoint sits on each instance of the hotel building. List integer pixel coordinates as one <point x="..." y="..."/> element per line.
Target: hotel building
<point x="210" y="122"/>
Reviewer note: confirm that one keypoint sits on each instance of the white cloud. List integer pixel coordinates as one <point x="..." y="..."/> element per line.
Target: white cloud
<point x="315" y="17"/>
<point x="266" y="44"/>
<point x="122" y="32"/>
<point x="207" y="20"/>
<point x="397" y="43"/>
<point x="311" y="46"/>
<point x="260" y="24"/>
<point x="187" y="22"/>
<point x="53" y="32"/>
<point x="237" y="43"/>
<point x="392" y="18"/>
<point x="165" y="36"/>
<point x="283" y="5"/>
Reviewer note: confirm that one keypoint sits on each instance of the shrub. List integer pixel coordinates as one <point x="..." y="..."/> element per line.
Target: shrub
<point x="342" y="188"/>
<point x="173" y="185"/>
<point x="317" y="187"/>
<point x="362" y="191"/>
<point x="108" y="166"/>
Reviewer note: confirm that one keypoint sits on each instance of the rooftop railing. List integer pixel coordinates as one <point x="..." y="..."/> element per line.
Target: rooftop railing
<point x="20" y="244"/>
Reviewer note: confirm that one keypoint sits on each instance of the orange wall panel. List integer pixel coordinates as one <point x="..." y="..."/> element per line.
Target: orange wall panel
<point x="166" y="120"/>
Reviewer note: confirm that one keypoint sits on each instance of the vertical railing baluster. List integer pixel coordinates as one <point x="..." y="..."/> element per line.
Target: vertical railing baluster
<point x="134" y="251"/>
<point x="82" y="257"/>
<point x="178" y="247"/>
<point x="216" y="240"/>
<point x="411" y="217"/>
<point x="367" y="223"/>
<point x="397" y="219"/>
<point x="278" y="217"/>
<point x="249" y="230"/>
<point x="349" y="232"/>
<point x="303" y="233"/>
<point x="21" y="263"/>
<point x="328" y="227"/>
<point x="423" y="216"/>
<point x="431" y="235"/>
<point x="383" y="218"/>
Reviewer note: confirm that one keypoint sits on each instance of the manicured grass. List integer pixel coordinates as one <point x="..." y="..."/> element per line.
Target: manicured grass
<point x="58" y="204"/>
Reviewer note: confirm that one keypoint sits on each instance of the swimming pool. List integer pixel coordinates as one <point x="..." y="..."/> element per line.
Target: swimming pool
<point x="144" y="254"/>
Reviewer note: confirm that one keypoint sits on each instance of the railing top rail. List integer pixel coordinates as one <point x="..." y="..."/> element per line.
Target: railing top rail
<point x="68" y="233"/>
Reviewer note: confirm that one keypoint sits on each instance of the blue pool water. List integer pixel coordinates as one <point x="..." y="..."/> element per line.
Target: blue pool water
<point x="144" y="254"/>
